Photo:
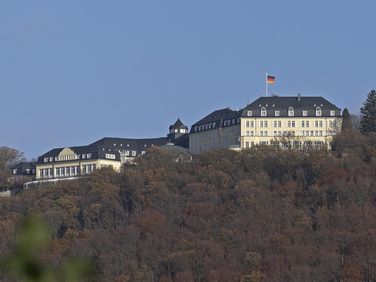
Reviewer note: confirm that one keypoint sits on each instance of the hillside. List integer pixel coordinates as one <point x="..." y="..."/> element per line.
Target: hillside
<point x="258" y="215"/>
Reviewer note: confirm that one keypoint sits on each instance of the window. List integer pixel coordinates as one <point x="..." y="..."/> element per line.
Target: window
<point x="318" y="112"/>
<point x="249" y="113"/>
<point x="316" y="123"/>
<point x="332" y="123"/>
<point x="293" y="123"/>
<point x="265" y="133"/>
<point x="46" y="160"/>
<point x="275" y="123"/>
<point x="247" y="133"/>
<point x="57" y="171"/>
<point x="291" y="112"/>
<point x="289" y="123"/>
<point x="307" y="123"/>
<point x="252" y="123"/>
<point x="332" y="113"/>
<point x="276" y="113"/>
<point x="275" y="133"/>
<point x="261" y="124"/>
<point x="302" y="123"/>
<point x="247" y="123"/>
<point x="265" y="123"/>
<point x="263" y="112"/>
<point x="134" y="153"/>
<point x="304" y="113"/>
<point x="247" y="144"/>
<point x="110" y="156"/>
<point x="279" y="124"/>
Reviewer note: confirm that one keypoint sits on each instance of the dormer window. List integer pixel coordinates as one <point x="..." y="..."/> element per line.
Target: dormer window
<point x="318" y="112"/>
<point x="263" y="112"/>
<point x="291" y="112"/>
<point x="304" y="113"/>
<point x="332" y="113"/>
<point x="276" y="113"/>
<point x="249" y="113"/>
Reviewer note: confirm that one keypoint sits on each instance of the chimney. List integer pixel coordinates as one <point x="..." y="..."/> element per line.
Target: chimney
<point x="299" y="97"/>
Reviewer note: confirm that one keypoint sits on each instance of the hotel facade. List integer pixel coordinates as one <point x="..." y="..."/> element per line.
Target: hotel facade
<point x="288" y="122"/>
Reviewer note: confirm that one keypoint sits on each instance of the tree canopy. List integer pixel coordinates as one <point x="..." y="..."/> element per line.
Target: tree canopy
<point x="347" y="120"/>
<point x="262" y="214"/>
<point x="368" y="121"/>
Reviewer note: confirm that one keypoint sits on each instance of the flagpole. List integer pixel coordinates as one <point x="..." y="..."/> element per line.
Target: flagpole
<point x="266" y="84"/>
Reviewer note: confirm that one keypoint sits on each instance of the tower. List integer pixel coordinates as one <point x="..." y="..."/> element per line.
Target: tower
<point x="177" y="130"/>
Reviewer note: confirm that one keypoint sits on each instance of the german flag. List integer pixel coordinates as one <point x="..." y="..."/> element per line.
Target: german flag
<point x="270" y="79"/>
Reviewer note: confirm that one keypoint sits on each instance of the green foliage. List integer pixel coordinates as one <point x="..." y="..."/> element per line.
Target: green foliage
<point x="368" y="121"/>
<point x="347" y="120"/>
<point x="24" y="261"/>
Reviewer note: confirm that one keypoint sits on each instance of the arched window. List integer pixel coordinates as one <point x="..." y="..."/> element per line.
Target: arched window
<point x="291" y="112"/>
<point x="318" y="112"/>
<point x="263" y="112"/>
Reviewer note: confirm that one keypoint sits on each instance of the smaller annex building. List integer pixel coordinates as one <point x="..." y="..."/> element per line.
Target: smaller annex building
<point x="79" y="161"/>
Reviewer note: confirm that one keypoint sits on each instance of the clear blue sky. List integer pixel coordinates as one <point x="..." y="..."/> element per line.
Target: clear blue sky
<point x="74" y="71"/>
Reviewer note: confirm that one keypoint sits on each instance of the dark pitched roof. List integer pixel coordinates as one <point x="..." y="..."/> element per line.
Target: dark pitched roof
<point x="217" y="119"/>
<point x="128" y="143"/>
<point x="177" y="125"/>
<point x="77" y="149"/>
<point x="24" y="168"/>
<point x="299" y="103"/>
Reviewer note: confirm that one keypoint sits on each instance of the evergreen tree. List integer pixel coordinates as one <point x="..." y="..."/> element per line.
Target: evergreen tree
<point x="368" y="122"/>
<point x="347" y="121"/>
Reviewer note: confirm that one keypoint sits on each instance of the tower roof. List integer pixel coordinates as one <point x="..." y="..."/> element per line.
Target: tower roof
<point x="178" y="124"/>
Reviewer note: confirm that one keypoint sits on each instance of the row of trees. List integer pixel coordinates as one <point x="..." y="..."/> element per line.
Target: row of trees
<point x="263" y="214"/>
<point x="367" y="122"/>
